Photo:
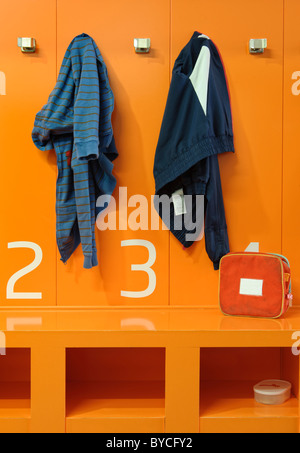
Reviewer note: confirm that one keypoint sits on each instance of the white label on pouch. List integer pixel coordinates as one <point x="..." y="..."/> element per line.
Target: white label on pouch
<point x="251" y="287"/>
<point x="179" y="202"/>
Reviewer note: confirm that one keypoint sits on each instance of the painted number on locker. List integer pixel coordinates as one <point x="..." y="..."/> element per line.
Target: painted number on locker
<point x="146" y="267"/>
<point x="10" y="293"/>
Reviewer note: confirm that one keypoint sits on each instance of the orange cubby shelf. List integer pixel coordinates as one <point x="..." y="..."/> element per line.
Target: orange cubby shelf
<point x="227" y="402"/>
<point x="15" y="412"/>
<point x="15" y="407"/>
<point x="229" y="407"/>
<point x="145" y="370"/>
<point x="132" y="406"/>
<point x="117" y="389"/>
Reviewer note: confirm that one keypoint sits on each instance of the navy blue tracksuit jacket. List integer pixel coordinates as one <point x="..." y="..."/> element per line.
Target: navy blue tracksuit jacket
<point x="196" y="127"/>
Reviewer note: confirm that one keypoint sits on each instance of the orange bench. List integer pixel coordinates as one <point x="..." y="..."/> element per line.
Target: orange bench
<point x="144" y="370"/>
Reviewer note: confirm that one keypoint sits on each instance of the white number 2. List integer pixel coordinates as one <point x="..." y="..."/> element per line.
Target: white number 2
<point x="10" y="293"/>
<point x="142" y="267"/>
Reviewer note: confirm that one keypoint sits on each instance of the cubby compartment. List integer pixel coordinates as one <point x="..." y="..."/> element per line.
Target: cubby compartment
<point x="115" y="390"/>
<point x="227" y="403"/>
<point x="15" y="391"/>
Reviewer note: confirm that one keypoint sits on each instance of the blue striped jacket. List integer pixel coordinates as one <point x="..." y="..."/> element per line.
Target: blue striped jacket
<point x="76" y="122"/>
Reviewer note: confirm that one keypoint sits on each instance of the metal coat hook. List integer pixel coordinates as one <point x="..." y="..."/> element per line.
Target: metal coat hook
<point x="27" y="45"/>
<point x="142" y="45"/>
<point x="257" y="45"/>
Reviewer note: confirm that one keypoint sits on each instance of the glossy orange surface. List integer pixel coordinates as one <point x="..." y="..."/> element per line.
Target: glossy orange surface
<point x="148" y="321"/>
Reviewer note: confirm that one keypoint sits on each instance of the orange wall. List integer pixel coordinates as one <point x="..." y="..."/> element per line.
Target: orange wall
<point x="259" y="182"/>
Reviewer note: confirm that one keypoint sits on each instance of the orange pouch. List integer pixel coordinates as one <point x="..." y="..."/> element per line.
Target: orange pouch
<point x="254" y="284"/>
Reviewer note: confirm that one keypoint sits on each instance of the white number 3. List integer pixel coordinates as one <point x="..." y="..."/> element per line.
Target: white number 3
<point x="10" y="293"/>
<point x="142" y="267"/>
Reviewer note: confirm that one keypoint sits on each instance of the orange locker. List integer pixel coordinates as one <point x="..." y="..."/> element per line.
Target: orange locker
<point x="142" y="267"/>
<point x="140" y="85"/>
<point x="291" y="137"/>
<point x="251" y="178"/>
<point x="27" y="227"/>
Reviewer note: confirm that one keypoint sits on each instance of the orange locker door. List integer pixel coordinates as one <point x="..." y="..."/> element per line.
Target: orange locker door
<point x="27" y="227"/>
<point x="291" y="139"/>
<point x="133" y="260"/>
<point x="251" y="178"/>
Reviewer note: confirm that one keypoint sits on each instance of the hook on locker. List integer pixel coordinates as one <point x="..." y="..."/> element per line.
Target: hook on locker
<point x="27" y="44"/>
<point x="142" y="45"/>
<point x="257" y="45"/>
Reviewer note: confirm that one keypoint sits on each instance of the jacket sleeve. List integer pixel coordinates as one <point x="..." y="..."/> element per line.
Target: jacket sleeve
<point x="216" y="237"/>
<point x="56" y="117"/>
<point x="218" y="101"/>
<point x="87" y="99"/>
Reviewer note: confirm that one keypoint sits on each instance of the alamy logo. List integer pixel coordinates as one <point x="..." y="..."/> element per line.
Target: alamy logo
<point x="2" y="83"/>
<point x="178" y="212"/>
